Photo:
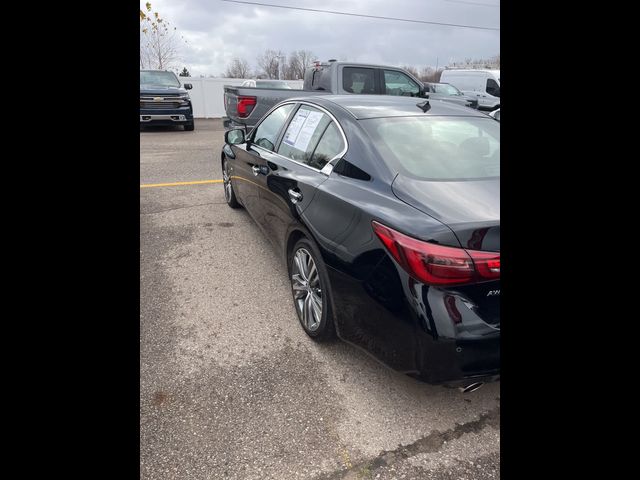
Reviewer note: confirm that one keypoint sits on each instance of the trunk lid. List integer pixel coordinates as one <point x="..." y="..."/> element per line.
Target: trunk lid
<point x="470" y="208"/>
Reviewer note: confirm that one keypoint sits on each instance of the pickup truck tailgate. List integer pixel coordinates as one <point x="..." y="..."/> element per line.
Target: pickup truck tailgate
<point x="246" y="105"/>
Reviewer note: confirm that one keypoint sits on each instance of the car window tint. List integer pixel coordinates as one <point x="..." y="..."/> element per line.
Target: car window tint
<point x="266" y="133"/>
<point x="302" y="134"/>
<point x="438" y="148"/>
<point x="358" y="80"/>
<point x="397" y="83"/>
<point x="330" y="145"/>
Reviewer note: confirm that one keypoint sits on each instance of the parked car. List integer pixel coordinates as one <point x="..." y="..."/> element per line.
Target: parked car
<point x="496" y="114"/>
<point x="246" y="105"/>
<point x="448" y="93"/>
<point x="266" y="84"/>
<point x="482" y="84"/>
<point x="386" y="211"/>
<point x="163" y="101"/>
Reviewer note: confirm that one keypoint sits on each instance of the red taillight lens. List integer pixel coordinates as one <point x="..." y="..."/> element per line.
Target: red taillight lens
<point x="245" y="106"/>
<point x="487" y="264"/>
<point x="436" y="264"/>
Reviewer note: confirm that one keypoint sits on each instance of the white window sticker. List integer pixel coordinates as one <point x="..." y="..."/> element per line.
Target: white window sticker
<point x="295" y="126"/>
<point x="301" y="129"/>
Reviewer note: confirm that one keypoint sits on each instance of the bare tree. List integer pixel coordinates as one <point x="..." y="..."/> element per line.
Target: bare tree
<point x="159" y="41"/>
<point x="493" y="62"/>
<point x="298" y="62"/>
<point x="269" y="62"/>
<point x="412" y="70"/>
<point x="239" y="68"/>
<point x="430" y="74"/>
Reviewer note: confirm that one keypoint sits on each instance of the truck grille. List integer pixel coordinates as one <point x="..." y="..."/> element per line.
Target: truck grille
<point x="159" y="102"/>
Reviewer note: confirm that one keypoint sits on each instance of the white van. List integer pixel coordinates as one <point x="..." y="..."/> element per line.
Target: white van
<point x="483" y="84"/>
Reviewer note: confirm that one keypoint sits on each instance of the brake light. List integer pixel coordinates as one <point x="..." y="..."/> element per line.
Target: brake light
<point x="245" y="106"/>
<point x="436" y="264"/>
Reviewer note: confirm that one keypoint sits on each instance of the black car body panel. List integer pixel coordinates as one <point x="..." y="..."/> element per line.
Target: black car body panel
<point x="437" y="334"/>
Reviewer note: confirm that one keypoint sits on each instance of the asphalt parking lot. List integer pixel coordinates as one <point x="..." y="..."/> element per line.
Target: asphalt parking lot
<point x="231" y="386"/>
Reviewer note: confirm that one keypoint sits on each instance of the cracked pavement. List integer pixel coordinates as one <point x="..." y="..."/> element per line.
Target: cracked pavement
<point x="231" y="387"/>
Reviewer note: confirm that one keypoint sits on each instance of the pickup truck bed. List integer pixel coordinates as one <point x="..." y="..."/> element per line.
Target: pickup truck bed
<point x="246" y="105"/>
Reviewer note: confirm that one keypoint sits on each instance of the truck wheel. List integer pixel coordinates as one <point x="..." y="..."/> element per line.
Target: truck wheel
<point x="188" y="127"/>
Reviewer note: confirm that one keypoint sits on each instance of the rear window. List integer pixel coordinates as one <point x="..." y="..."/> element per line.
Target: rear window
<point x="438" y="148"/>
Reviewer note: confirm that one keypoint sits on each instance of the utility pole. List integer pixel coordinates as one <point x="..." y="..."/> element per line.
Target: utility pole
<point x="280" y="60"/>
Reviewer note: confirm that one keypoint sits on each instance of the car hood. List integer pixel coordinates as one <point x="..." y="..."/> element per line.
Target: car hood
<point x="159" y="90"/>
<point x="470" y="208"/>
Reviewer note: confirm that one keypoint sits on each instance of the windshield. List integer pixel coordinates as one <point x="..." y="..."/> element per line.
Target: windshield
<point x="161" y="79"/>
<point x="438" y="148"/>
<point x="446" y="89"/>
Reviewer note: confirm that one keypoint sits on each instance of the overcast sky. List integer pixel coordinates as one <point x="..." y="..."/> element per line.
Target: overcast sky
<point x="216" y="31"/>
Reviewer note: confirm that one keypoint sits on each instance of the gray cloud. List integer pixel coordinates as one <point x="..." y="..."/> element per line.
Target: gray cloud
<point x="217" y="31"/>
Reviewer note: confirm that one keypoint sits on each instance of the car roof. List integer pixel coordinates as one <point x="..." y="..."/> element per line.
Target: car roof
<point x="375" y="106"/>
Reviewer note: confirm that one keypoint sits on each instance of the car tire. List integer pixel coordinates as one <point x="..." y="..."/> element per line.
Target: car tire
<point x="229" y="194"/>
<point x="189" y="127"/>
<point x="305" y="261"/>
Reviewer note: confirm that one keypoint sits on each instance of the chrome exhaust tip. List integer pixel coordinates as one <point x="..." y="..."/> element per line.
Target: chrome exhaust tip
<point x="472" y="387"/>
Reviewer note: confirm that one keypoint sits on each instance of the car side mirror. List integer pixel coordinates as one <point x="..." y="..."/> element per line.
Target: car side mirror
<point x="188" y="86"/>
<point x="234" y="137"/>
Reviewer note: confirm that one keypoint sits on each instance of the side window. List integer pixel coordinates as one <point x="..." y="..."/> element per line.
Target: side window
<point x="493" y="88"/>
<point x="358" y="80"/>
<point x="303" y="133"/>
<point x="397" y="83"/>
<point x="330" y="145"/>
<point x="266" y="133"/>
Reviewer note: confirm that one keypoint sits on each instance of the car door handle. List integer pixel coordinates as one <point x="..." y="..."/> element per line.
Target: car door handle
<point x="294" y="196"/>
<point x="256" y="170"/>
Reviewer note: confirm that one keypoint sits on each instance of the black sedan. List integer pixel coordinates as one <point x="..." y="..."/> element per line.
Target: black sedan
<point x="387" y="213"/>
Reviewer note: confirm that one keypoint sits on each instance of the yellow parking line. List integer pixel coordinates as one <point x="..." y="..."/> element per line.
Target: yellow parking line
<point x="175" y="184"/>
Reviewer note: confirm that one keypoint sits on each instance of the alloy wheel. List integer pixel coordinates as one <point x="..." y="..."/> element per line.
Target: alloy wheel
<point x="307" y="289"/>
<point x="226" y="180"/>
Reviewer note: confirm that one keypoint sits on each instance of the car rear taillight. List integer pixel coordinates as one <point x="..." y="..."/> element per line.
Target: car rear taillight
<point x="436" y="264"/>
<point x="245" y="106"/>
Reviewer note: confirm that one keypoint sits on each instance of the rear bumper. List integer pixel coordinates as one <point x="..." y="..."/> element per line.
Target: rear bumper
<point x="406" y="326"/>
